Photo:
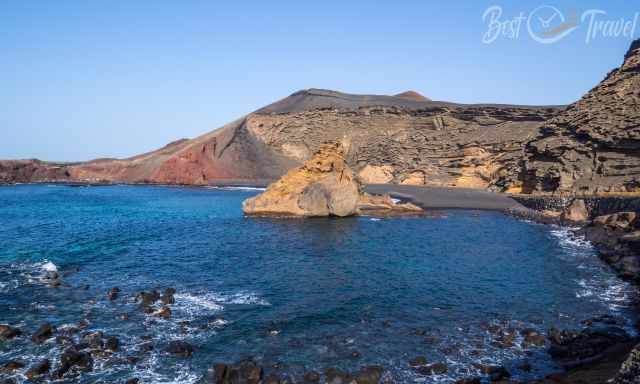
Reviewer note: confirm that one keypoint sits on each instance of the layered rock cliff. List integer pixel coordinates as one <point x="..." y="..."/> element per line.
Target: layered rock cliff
<point x="593" y="146"/>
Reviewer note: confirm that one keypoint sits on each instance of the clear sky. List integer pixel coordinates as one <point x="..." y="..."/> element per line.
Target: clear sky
<point x="87" y="79"/>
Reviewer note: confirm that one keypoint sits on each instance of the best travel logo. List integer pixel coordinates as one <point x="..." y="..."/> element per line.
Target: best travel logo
<point x="547" y="24"/>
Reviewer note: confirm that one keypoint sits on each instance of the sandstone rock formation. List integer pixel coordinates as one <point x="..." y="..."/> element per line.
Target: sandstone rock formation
<point x="593" y="146"/>
<point x="576" y="212"/>
<point x="323" y="186"/>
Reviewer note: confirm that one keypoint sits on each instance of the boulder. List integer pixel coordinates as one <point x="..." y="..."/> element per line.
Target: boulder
<point x="180" y="348"/>
<point x="113" y="293"/>
<point x="322" y="186"/>
<point x="8" y="332"/>
<point x="38" y="369"/>
<point x="576" y="212"/>
<point x="43" y="333"/>
<point x="369" y="375"/>
<point x="11" y="365"/>
<point x="243" y="372"/>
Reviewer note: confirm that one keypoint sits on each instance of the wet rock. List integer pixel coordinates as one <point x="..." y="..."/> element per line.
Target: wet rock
<point x="72" y="358"/>
<point x="336" y="376"/>
<point x="576" y="212"/>
<point x="94" y="339"/>
<point x="147" y="299"/>
<point x="532" y="338"/>
<point x="8" y="332"/>
<point x="112" y="343"/>
<point x="134" y="380"/>
<point x="311" y="377"/>
<point x="355" y="355"/>
<point x="432" y="369"/>
<point x="418" y="361"/>
<point x="243" y="372"/>
<point x="504" y="340"/>
<point x="38" y="369"/>
<point x="369" y="375"/>
<point x="420" y="332"/>
<point x="218" y="372"/>
<point x="271" y="379"/>
<point x="167" y="296"/>
<point x="163" y="313"/>
<point x="123" y="316"/>
<point x="572" y="349"/>
<point x="11" y="366"/>
<point x="180" y="348"/>
<point x="469" y="380"/>
<point x="43" y="333"/>
<point x="629" y="372"/>
<point x="495" y="372"/>
<point x="113" y="293"/>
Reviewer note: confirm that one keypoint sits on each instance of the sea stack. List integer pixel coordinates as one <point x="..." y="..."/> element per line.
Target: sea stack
<point x="322" y="186"/>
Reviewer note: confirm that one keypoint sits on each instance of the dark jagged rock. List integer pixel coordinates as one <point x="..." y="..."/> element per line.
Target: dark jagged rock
<point x="336" y="376"/>
<point x="593" y="145"/>
<point x="243" y="372"/>
<point x="617" y="237"/>
<point x="112" y="343"/>
<point x="469" y="380"/>
<point x="72" y="358"/>
<point x="311" y="377"/>
<point x="630" y="370"/>
<point x="147" y="299"/>
<point x="38" y="369"/>
<point x="573" y="349"/>
<point x="10" y="366"/>
<point x="164" y="312"/>
<point x="167" y="296"/>
<point x="43" y="333"/>
<point x="180" y="348"/>
<point x="8" y="332"/>
<point x="113" y="293"/>
<point x="93" y="339"/>
<point x="369" y="375"/>
<point x="495" y="372"/>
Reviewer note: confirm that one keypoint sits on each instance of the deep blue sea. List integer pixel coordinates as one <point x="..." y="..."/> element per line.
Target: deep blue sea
<point x="292" y="294"/>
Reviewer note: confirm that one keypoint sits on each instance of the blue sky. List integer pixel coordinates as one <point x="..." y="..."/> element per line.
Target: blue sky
<point x="80" y="80"/>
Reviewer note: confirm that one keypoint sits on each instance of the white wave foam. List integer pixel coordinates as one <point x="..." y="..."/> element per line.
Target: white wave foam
<point x="49" y="267"/>
<point x="201" y="301"/>
<point x="568" y="240"/>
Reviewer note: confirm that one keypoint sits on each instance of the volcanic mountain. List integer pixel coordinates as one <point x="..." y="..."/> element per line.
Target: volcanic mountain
<point x="394" y="139"/>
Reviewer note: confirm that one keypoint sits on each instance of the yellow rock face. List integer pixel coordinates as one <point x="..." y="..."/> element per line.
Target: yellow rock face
<point x="372" y="174"/>
<point x="323" y="186"/>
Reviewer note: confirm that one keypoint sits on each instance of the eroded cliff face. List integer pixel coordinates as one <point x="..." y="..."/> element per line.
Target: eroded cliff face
<point x="439" y="145"/>
<point x="593" y="146"/>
